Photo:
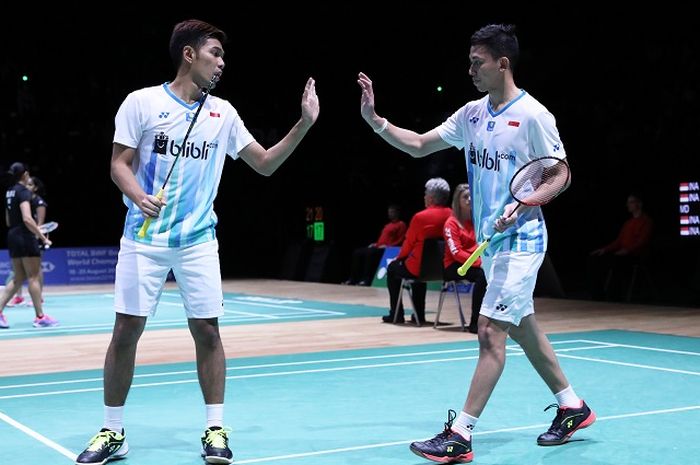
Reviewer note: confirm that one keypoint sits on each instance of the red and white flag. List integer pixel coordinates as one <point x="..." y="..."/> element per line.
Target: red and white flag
<point x="685" y="219"/>
<point x="685" y="231"/>
<point x="683" y="187"/>
<point x="684" y="198"/>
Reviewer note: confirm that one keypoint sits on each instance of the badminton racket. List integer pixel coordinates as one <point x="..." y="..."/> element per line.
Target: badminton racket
<point x="161" y="192"/>
<point x="48" y="227"/>
<point x="537" y="183"/>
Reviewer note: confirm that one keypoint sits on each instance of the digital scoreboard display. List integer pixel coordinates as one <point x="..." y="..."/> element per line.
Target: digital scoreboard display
<point x="689" y="206"/>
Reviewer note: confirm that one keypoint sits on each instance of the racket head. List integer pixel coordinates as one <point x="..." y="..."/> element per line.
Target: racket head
<point x="48" y="227"/>
<point x="540" y="180"/>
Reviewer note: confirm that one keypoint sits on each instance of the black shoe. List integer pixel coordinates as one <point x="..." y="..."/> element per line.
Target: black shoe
<point x="474" y="329"/>
<point x="567" y="422"/>
<point x="420" y="323"/>
<point x="215" y="445"/>
<point x="104" y="446"/>
<point x="390" y="319"/>
<point x="447" y="447"/>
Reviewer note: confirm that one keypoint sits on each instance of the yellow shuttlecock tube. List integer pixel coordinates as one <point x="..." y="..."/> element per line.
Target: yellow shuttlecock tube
<point x="144" y="227"/>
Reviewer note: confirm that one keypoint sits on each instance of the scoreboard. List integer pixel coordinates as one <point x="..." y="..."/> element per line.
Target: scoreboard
<point x="689" y="207"/>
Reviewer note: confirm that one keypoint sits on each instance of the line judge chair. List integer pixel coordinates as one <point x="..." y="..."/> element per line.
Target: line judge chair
<point x="454" y="285"/>
<point x="431" y="269"/>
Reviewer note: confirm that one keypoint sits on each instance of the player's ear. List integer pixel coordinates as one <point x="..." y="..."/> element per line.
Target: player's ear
<point x="503" y="64"/>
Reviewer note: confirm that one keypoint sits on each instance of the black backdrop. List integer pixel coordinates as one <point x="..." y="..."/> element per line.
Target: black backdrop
<point x="624" y="92"/>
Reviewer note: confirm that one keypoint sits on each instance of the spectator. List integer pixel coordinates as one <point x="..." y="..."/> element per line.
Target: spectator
<point x="425" y="224"/>
<point x="460" y="243"/>
<point x="609" y="266"/>
<point x="365" y="259"/>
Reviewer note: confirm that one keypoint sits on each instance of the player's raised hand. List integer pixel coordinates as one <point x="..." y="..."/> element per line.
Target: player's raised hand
<point x="367" y="98"/>
<point x="309" y="103"/>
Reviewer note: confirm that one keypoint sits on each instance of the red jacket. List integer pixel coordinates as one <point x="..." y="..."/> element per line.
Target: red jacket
<point x="460" y="242"/>
<point x="392" y="234"/>
<point x="634" y="236"/>
<point x="425" y="224"/>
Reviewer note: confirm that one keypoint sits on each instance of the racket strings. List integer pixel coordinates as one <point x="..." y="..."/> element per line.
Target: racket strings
<point x="540" y="181"/>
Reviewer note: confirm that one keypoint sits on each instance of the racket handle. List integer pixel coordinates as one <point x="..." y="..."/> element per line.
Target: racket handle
<point x="462" y="270"/>
<point x="144" y="227"/>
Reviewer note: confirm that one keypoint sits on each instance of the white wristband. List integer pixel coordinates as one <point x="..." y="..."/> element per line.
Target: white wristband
<point x="383" y="127"/>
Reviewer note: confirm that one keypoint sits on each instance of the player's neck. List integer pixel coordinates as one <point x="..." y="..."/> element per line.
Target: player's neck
<point x="185" y="89"/>
<point x="501" y="97"/>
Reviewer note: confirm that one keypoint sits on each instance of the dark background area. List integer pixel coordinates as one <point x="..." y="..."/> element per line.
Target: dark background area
<point x="624" y="91"/>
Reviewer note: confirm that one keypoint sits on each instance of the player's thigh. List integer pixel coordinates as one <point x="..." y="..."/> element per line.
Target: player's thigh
<point x="140" y="275"/>
<point x="511" y="278"/>
<point x="198" y="275"/>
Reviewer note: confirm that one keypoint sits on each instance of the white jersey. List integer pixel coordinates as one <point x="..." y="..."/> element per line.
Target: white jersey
<point x="496" y="145"/>
<point x="154" y="121"/>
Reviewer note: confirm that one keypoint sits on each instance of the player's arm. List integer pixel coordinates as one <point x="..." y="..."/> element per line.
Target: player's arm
<point x="40" y="215"/>
<point x="26" y="209"/>
<point x="266" y="161"/>
<point x="123" y="176"/>
<point x="416" y="145"/>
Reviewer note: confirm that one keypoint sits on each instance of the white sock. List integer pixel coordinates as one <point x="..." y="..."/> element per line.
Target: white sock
<point x="215" y="415"/>
<point x="114" y="418"/>
<point x="568" y="398"/>
<point x="464" y="424"/>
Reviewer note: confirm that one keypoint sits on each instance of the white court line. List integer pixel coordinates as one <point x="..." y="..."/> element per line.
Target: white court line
<point x="42" y="439"/>
<point x="279" y="364"/>
<point x="346" y="368"/>
<point x="655" y="349"/>
<point x="478" y="433"/>
<point x="633" y="365"/>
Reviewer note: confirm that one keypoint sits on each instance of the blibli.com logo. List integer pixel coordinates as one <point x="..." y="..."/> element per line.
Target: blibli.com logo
<point x="163" y="145"/>
<point x="486" y="161"/>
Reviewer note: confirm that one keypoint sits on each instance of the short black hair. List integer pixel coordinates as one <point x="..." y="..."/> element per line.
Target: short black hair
<point x="500" y="40"/>
<point x="16" y="171"/>
<point x="194" y="33"/>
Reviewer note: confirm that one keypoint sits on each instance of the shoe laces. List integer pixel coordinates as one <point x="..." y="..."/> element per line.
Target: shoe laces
<point x="217" y="438"/>
<point x="101" y="439"/>
<point x="557" y="419"/>
<point x="451" y="415"/>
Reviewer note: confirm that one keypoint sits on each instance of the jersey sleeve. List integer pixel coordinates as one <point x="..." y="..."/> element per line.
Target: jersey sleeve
<point x="239" y="137"/>
<point x="452" y="129"/>
<point x="128" y="126"/>
<point x="544" y="136"/>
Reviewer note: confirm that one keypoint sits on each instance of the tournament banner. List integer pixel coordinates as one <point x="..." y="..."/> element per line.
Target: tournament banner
<point x="71" y="265"/>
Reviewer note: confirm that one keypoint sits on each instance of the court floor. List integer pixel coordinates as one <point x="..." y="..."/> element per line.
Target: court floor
<point x="93" y="313"/>
<point x="365" y="406"/>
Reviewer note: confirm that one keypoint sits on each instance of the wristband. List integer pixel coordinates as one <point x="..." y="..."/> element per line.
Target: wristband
<point x="383" y="127"/>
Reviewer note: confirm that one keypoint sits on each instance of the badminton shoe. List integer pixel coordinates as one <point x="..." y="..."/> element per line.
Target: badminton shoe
<point x="3" y="322"/>
<point x="447" y="447"/>
<point x="45" y="322"/>
<point x="215" y="445"/>
<point x="104" y="446"/>
<point x="567" y="421"/>
<point x="16" y="300"/>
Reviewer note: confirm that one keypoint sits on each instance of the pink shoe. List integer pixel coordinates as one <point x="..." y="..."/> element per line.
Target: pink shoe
<point x="45" y="322"/>
<point x="3" y="322"/>
<point x="16" y="300"/>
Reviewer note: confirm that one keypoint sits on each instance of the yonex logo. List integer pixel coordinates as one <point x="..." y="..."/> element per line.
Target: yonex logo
<point x="164" y="114"/>
<point x="501" y="307"/>
<point x="474" y="119"/>
<point x="556" y="147"/>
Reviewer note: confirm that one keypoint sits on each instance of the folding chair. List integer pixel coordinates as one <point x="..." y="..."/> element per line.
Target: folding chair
<point x="431" y="269"/>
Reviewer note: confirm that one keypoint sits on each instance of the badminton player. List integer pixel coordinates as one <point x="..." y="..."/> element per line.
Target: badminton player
<point x="151" y="124"/>
<point x="499" y="133"/>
